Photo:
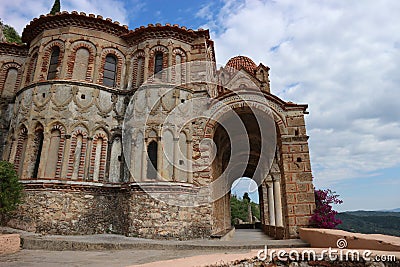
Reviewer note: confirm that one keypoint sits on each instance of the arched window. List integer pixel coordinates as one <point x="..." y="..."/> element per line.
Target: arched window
<point x="53" y="154"/>
<point x="140" y="71"/>
<point x="81" y="64"/>
<point x="116" y="161"/>
<point x="52" y="72"/>
<point x="110" y="69"/>
<point x="152" y="149"/>
<point x="158" y="62"/>
<point x="32" y="67"/>
<point x="10" y="83"/>
<point x="21" y="150"/>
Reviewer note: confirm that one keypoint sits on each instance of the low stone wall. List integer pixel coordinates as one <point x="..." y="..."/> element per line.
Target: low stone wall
<point x="91" y="210"/>
<point x="9" y="243"/>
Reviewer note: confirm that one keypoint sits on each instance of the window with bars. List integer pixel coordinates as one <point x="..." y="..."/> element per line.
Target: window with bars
<point x="110" y="71"/>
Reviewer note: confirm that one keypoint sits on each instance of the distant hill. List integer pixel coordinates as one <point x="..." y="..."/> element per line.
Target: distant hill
<point x="371" y="222"/>
<point x="393" y="210"/>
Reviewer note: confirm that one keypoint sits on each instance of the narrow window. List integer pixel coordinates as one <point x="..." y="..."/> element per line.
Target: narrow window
<point x="38" y="149"/>
<point x="52" y="73"/>
<point x="158" y="63"/>
<point x="33" y="68"/>
<point x="110" y="69"/>
<point x="152" y="160"/>
<point x="140" y="71"/>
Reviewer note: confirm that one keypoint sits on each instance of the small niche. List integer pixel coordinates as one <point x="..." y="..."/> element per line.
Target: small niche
<point x="182" y="100"/>
<point x="181" y="162"/>
<point x="299" y="159"/>
<point x="296" y="132"/>
<point x="83" y="96"/>
<point x="119" y="158"/>
<point x="44" y="95"/>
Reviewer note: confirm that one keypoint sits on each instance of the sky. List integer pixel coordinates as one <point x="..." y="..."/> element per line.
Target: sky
<point x="341" y="57"/>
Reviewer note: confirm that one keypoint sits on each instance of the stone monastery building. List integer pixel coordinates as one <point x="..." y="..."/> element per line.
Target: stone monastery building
<point x="65" y="98"/>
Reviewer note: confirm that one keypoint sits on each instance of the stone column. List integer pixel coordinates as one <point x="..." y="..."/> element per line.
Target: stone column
<point x="278" y="202"/>
<point x="159" y="158"/>
<point x="144" y="163"/>
<point x="96" y="68"/>
<point x="88" y="154"/>
<point x="169" y="73"/>
<point x="146" y="63"/>
<point x="66" y="154"/>
<point x="43" y="155"/>
<point x="271" y="204"/>
<point x="14" y="144"/>
<point x="27" y="159"/>
<point x="189" y="161"/>
<point x="176" y="171"/>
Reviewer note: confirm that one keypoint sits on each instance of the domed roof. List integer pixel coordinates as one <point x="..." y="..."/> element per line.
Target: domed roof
<point x="241" y="61"/>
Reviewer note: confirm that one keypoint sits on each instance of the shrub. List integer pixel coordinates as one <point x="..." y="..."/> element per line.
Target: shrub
<point x="10" y="188"/>
<point x="324" y="215"/>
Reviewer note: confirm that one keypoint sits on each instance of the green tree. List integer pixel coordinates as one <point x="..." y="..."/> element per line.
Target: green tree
<point x="246" y="197"/>
<point x="10" y="34"/>
<point x="56" y="7"/>
<point x="239" y="208"/>
<point x="10" y="189"/>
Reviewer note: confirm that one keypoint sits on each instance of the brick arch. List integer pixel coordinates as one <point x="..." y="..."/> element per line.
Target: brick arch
<point x="182" y="53"/>
<point x="153" y="51"/>
<point x="22" y="140"/>
<point x="32" y="65"/>
<point x="4" y="72"/>
<point x="211" y="124"/>
<point x="99" y="133"/>
<point x="80" y="168"/>
<point x="135" y="68"/>
<point x="120" y="64"/>
<point x="75" y="46"/>
<point x="46" y="58"/>
<point x="60" y="127"/>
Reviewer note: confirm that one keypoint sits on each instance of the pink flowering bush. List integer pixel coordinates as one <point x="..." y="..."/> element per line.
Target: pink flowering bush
<point x="324" y="215"/>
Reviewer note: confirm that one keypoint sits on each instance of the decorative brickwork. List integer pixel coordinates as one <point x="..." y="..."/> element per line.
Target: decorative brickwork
<point x="120" y="63"/>
<point x="60" y="154"/>
<point x="138" y="68"/>
<point x="77" y="156"/>
<point x="20" y="151"/>
<point x="5" y="70"/>
<point x="80" y="182"/>
<point x="98" y="156"/>
<point x="46" y="59"/>
<point x="72" y="58"/>
<point x="30" y="73"/>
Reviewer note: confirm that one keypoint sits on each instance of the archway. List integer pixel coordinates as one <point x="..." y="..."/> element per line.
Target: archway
<point x="244" y="203"/>
<point x="241" y="151"/>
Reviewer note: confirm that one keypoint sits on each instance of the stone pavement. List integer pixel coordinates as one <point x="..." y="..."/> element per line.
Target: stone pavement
<point x="117" y="250"/>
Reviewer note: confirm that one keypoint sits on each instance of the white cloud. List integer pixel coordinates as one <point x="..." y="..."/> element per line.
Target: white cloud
<point x="18" y="13"/>
<point x="340" y="57"/>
